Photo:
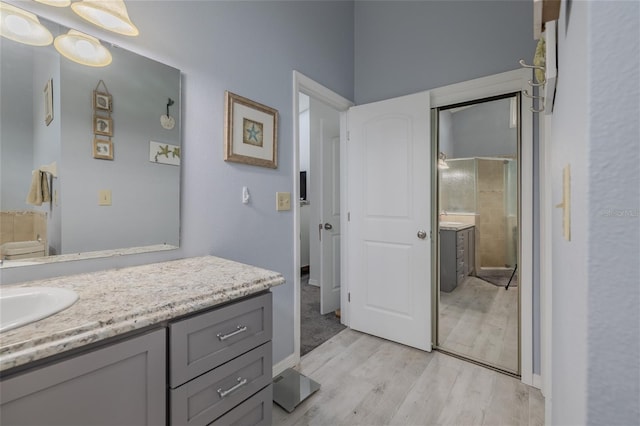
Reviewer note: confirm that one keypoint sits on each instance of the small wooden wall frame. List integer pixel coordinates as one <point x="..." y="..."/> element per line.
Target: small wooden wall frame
<point x="250" y="132"/>
<point x="102" y="125"/>
<point x="102" y="101"/>
<point x="102" y="149"/>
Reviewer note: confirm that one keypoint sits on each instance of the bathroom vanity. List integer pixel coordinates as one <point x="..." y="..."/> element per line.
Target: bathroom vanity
<point x="457" y="254"/>
<point x="180" y="342"/>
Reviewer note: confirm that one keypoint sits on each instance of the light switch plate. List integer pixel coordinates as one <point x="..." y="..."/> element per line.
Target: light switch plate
<point x="104" y="197"/>
<point x="565" y="205"/>
<point x="283" y="201"/>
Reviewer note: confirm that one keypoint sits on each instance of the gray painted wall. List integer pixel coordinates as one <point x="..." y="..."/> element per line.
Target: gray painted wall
<point x="16" y="125"/>
<point x="403" y="47"/>
<point x="445" y="130"/>
<point x="249" y="48"/>
<point x="596" y="322"/>
<point x="483" y="131"/>
<point x="613" y="214"/>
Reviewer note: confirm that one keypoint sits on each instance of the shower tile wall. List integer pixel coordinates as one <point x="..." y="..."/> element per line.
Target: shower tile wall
<point x="491" y="209"/>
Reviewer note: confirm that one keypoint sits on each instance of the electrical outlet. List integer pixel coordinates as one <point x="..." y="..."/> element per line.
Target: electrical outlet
<point x="104" y="197"/>
<point x="283" y="201"/>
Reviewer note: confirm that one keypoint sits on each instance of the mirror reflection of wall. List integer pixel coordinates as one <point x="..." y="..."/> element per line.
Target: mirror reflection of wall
<point x="145" y="196"/>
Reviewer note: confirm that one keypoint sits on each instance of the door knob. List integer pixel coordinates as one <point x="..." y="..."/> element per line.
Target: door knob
<point x="328" y="226"/>
<point x="422" y="234"/>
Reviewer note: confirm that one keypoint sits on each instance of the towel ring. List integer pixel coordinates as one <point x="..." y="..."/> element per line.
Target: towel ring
<point x="532" y="84"/>
<point x="521" y="61"/>
<point x="539" y="98"/>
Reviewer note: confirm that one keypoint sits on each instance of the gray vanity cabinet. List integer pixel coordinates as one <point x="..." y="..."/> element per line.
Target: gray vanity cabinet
<point x="120" y="384"/>
<point x="457" y="256"/>
<point x="221" y="365"/>
<point x="218" y="371"/>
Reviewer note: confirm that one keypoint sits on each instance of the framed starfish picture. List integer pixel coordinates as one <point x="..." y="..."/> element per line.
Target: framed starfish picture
<point x="250" y="132"/>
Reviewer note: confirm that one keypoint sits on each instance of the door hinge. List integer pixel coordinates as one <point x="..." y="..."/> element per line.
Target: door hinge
<point x="348" y="135"/>
<point x="348" y="216"/>
<point x="348" y="297"/>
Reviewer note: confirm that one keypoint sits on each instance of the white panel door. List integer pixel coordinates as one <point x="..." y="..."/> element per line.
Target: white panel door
<point x="388" y="186"/>
<point x="330" y="242"/>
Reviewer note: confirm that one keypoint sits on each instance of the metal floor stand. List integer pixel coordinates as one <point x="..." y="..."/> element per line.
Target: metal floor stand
<point x="290" y="388"/>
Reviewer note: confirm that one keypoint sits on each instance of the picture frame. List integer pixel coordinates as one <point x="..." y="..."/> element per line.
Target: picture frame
<point x="102" y="149"/>
<point x="102" y="101"/>
<point x="102" y="125"/>
<point x="48" y="102"/>
<point x="250" y="132"/>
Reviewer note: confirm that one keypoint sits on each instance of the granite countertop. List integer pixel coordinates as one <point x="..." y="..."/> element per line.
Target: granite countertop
<point x="113" y="302"/>
<point x="454" y="226"/>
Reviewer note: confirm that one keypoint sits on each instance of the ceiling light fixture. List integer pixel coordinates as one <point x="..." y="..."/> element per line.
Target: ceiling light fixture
<point x="108" y="14"/>
<point x="56" y="3"/>
<point x="22" y="26"/>
<point x="83" y="49"/>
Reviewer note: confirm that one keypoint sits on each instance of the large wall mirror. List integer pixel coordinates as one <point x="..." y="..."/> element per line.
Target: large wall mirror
<point x="111" y="162"/>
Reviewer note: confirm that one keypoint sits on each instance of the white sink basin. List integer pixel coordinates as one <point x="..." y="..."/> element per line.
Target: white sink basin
<point x="21" y="306"/>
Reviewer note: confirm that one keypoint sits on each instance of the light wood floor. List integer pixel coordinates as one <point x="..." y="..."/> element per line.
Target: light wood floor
<point x="370" y="381"/>
<point x="480" y="320"/>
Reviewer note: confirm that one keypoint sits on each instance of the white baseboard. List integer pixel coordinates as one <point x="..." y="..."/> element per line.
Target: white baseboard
<point x="537" y="381"/>
<point x="314" y="282"/>
<point x="288" y="362"/>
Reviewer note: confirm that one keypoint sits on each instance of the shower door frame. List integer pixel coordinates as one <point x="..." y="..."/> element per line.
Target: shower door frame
<point x="496" y="86"/>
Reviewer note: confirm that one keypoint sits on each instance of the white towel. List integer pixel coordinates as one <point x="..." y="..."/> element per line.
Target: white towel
<point x="39" y="190"/>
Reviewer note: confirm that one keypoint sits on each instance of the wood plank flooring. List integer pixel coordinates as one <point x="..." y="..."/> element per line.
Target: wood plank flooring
<point x="370" y="381"/>
<point x="480" y="320"/>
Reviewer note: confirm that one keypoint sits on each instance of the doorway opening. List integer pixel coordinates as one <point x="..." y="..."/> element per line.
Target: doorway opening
<point x="478" y="190"/>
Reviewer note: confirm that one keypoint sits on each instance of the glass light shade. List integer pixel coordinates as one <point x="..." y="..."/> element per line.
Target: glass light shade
<point x="22" y="26"/>
<point x="83" y="49"/>
<point x="108" y="14"/>
<point x="56" y="3"/>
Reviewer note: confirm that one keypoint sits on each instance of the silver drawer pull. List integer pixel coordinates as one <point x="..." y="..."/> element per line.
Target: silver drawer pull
<point x="241" y="382"/>
<point x="240" y="329"/>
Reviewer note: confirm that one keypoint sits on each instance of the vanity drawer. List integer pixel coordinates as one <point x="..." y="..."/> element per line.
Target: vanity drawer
<point x="255" y="411"/>
<point x="203" y="342"/>
<point x="205" y="398"/>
